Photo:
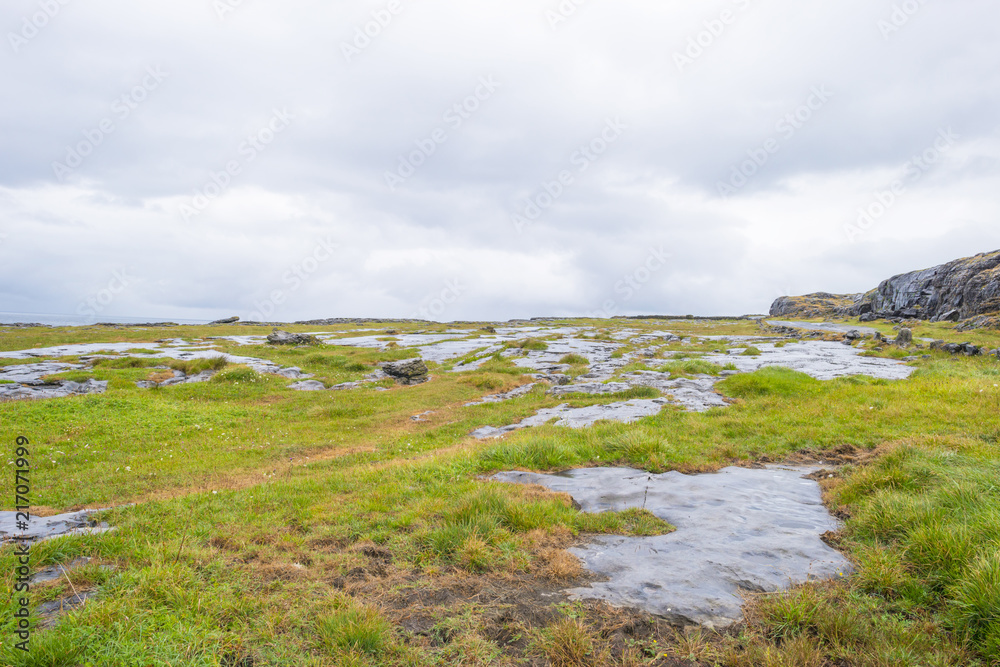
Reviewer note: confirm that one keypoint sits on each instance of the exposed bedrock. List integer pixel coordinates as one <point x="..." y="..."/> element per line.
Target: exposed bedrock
<point x="958" y="290"/>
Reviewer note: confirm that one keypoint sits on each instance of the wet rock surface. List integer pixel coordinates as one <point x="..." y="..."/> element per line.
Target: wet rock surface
<point x="43" y="528"/>
<point x="563" y="415"/>
<point x="737" y="530"/>
<point x="58" y="571"/>
<point x="27" y="383"/>
<point x="819" y="359"/>
<point x="28" y="377"/>
<point x="50" y="612"/>
<point x="696" y="394"/>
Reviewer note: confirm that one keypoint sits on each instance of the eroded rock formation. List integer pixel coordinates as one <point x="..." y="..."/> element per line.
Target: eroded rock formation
<point x="959" y="290"/>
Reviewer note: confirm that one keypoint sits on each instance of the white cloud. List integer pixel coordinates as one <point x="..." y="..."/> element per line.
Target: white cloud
<point x="324" y="176"/>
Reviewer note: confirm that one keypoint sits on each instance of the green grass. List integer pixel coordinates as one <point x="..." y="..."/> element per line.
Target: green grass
<point x="256" y="507"/>
<point x="355" y="628"/>
<point x="574" y="360"/>
<point x="533" y="344"/>
<point x="195" y="366"/>
<point x="690" y="367"/>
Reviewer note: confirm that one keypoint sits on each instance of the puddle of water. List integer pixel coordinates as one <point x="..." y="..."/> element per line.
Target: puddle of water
<point x="737" y="530"/>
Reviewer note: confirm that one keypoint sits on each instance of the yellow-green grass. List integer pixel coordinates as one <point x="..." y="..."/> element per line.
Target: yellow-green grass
<point x="239" y="540"/>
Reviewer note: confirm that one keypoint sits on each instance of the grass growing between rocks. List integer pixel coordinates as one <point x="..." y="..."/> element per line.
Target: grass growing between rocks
<point x="329" y="528"/>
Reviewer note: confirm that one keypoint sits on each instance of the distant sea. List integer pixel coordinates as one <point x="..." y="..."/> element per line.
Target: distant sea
<point x="78" y="320"/>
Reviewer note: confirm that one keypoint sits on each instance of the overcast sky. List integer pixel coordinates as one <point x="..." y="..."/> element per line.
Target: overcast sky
<point x="477" y="159"/>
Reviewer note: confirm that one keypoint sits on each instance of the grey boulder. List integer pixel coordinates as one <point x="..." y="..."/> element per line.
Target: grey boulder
<point x="407" y="372"/>
<point x="287" y="338"/>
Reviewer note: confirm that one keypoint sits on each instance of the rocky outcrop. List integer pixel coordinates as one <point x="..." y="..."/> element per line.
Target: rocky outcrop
<point x="408" y="372"/>
<point x="820" y="304"/>
<point x="959" y="290"/>
<point x="286" y="338"/>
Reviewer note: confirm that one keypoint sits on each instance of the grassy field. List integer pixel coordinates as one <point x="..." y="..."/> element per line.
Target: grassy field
<point x="261" y="526"/>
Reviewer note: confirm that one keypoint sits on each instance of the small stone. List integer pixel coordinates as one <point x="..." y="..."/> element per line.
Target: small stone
<point x="308" y="385"/>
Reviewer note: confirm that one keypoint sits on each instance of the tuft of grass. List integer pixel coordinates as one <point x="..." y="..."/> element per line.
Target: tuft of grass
<point x="569" y="643"/>
<point x="491" y="381"/>
<point x="691" y="367"/>
<point x="195" y="366"/>
<point x="751" y="352"/>
<point x="355" y="628"/>
<point x="239" y="375"/>
<point x="533" y="344"/>
<point x="771" y="381"/>
<point x="574" y="360"/>
<point x="128" y="362"/>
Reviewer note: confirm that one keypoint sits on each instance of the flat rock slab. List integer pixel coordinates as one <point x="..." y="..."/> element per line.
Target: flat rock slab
<point x="624" y="411"/>
<point x="308" y="385"/>
<point x="29" y="385"/>
<point x="820" y="359"/>
<point x="500" y="398"/>
<point x="737" y="530"/>
<point x="695" y="394"/>
<point x="43" y="528"/>
<point x="57" y="571"/>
